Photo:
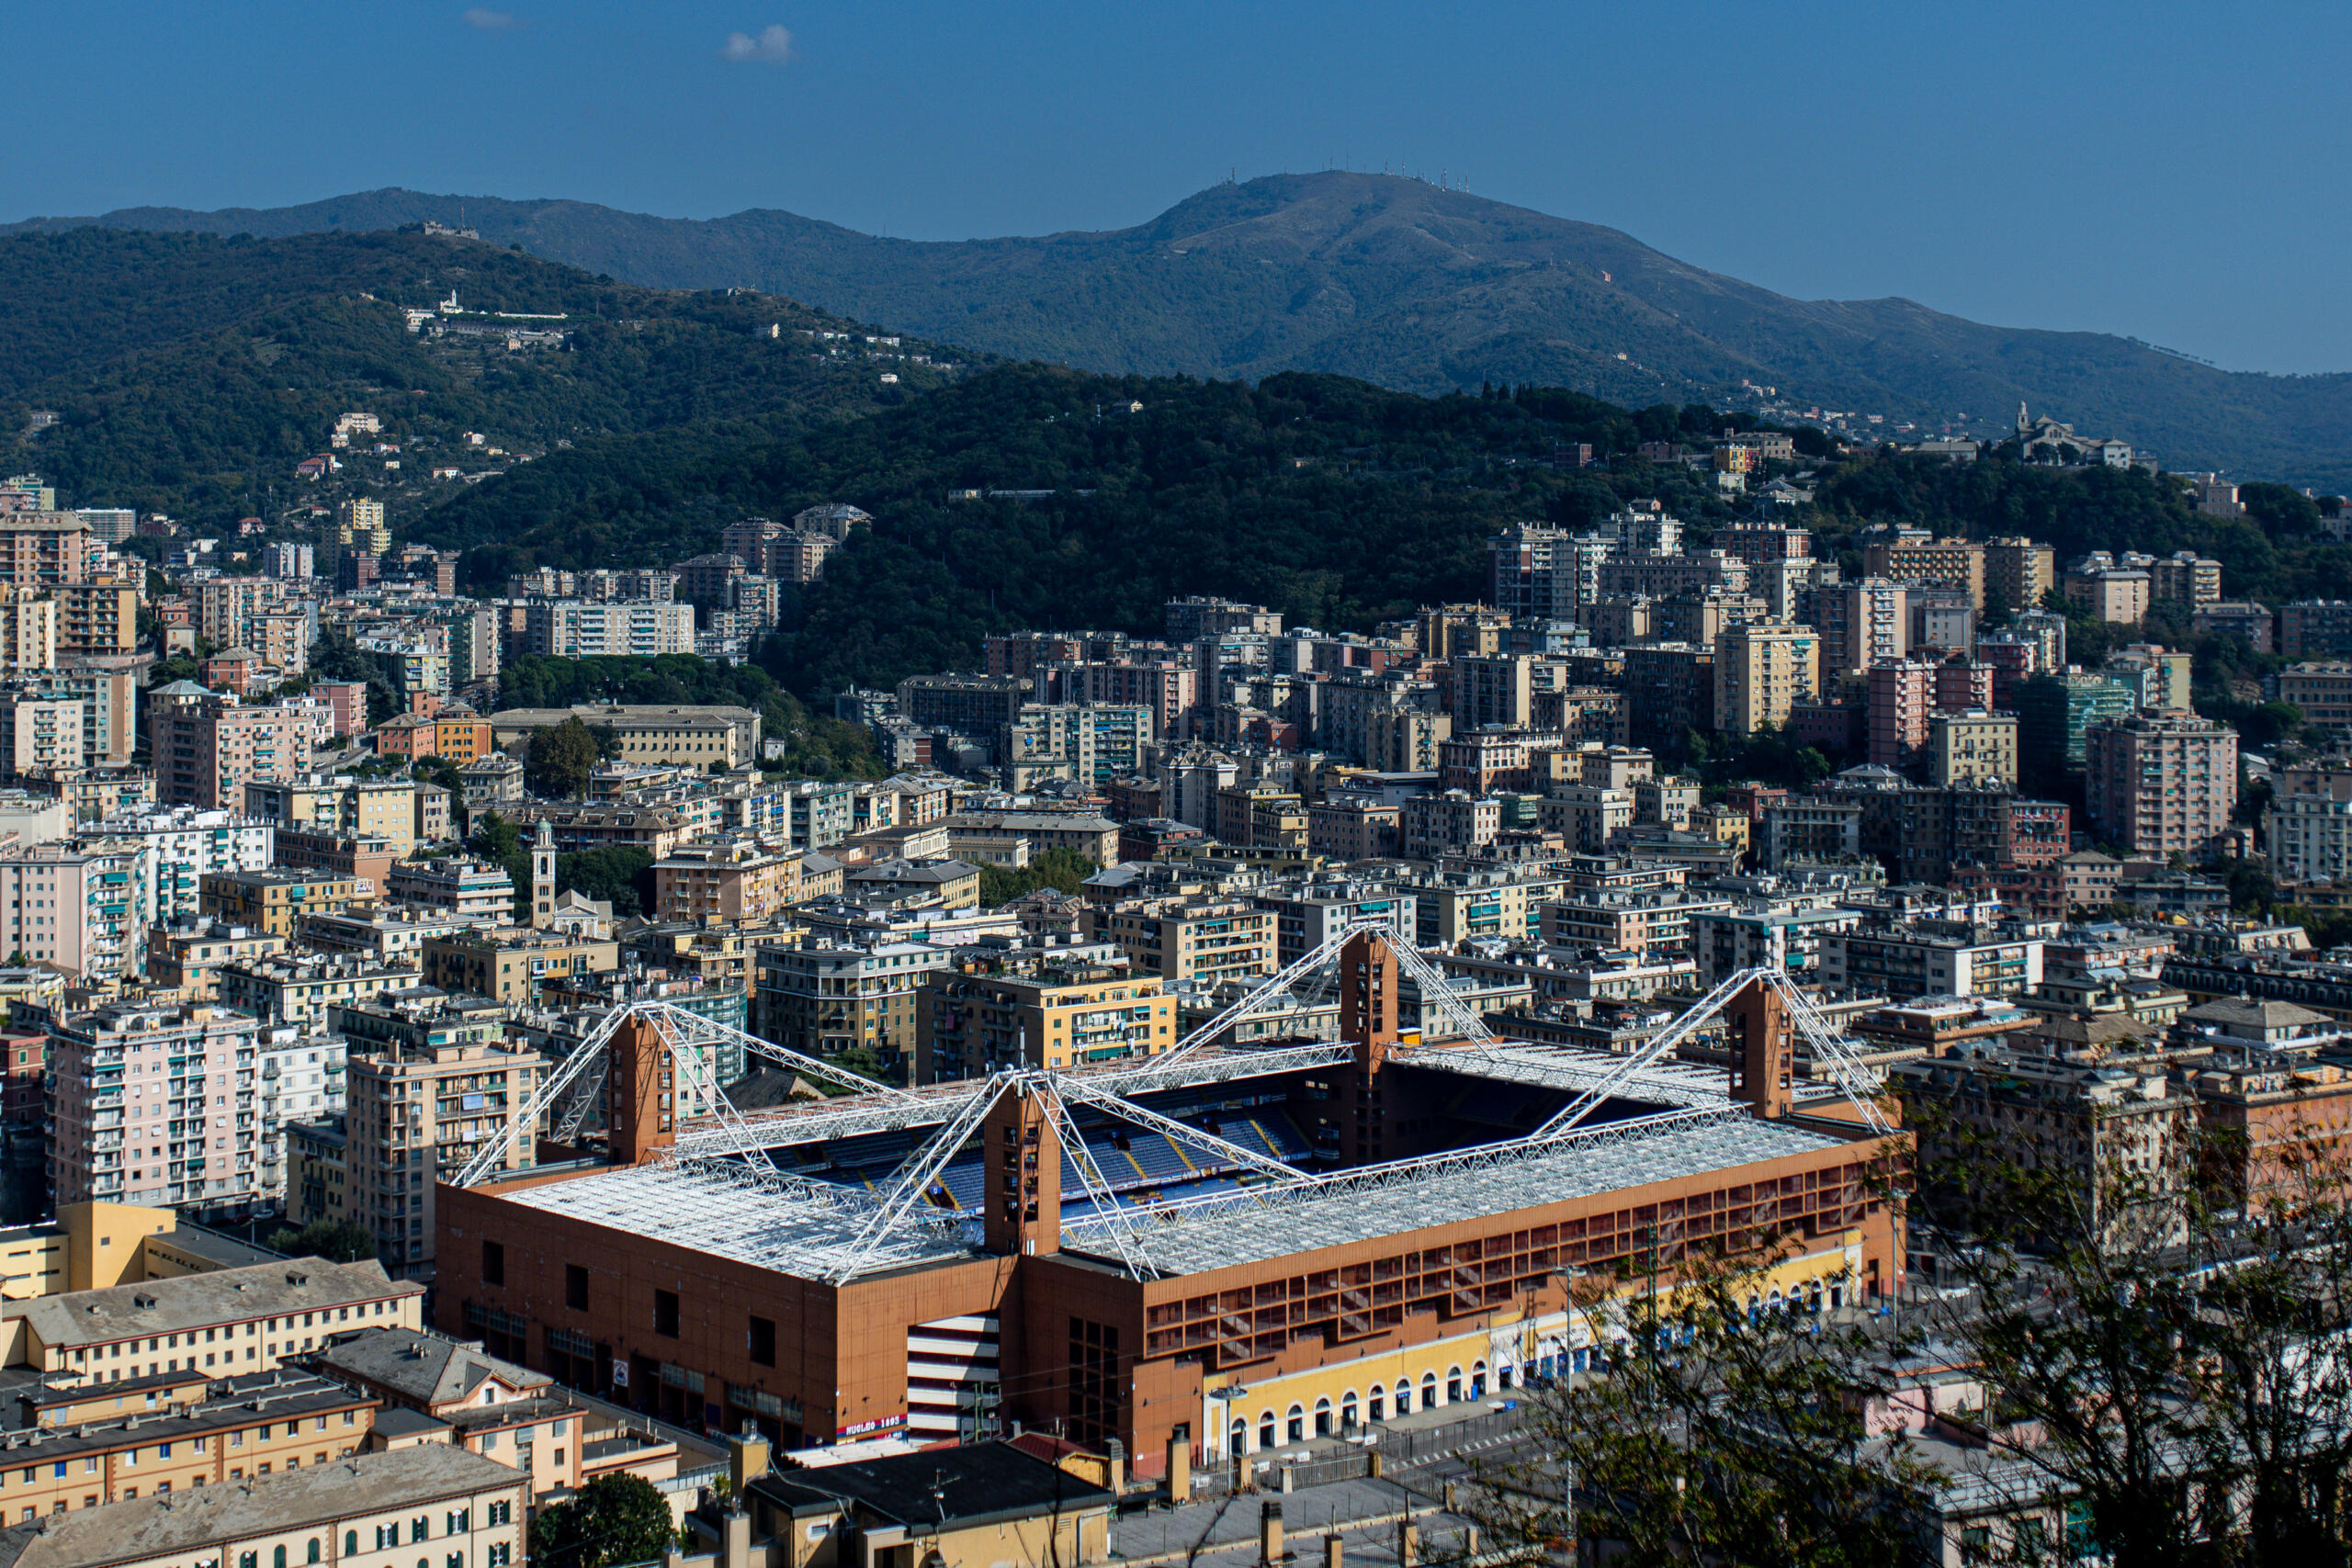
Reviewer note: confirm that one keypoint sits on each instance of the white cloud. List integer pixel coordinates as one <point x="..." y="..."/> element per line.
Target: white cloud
<point x="490" y="21"/>
<point x="773" y="47"/>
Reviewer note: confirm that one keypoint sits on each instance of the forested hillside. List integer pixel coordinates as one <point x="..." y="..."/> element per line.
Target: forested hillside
<point x="1411" y="286"/>
<point x="191" y="373"/>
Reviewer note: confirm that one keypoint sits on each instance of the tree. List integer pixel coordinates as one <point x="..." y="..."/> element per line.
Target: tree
<point x="613" y="1518"/>
<point x="1062" y="868"/>
<point x="623" y="874"/>
<point x="560" y="759"/>
<point x="337" y="1241"/>
<point x="1722" y="1430"/>
<point x="440" y="771"/>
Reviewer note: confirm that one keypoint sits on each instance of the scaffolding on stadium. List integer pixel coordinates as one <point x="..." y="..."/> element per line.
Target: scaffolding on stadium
<point x="838" y="1232"/>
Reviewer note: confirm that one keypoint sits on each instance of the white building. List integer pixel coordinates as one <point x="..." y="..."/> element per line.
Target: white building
<point x="300" y="1081"/>
<point x="188" y="843"/>
<point x="569" y="628"/>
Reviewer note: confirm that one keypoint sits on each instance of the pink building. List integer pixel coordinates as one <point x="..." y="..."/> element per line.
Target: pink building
<point x="155" y="1105"/>
<point x="2160" y="784"/>
<point x="208" y="747"/>
<point x="348" y="702"/>
<point x="78" y="909"/>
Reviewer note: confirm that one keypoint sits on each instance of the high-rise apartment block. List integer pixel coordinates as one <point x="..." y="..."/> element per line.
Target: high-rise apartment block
<point x="27" y="630"/>
<point x="1973" y="745"/>
<point x="1861" y="623"/>
<point x="155" y="1105"/>
<point x="208" y="746"/>
<point x="1760" y="669"/>
<point x="415" y="1118"/>
<point x="1915" y="558"/>
<point x="2186" y="578"/>
<point x="2020" y="572"/>
<point x="2161" y="784"/>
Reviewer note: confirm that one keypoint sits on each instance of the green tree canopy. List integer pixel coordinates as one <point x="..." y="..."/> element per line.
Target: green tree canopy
<point x="613" y="1518"/>
<point x="560" y="759"/>
<point x="337" y="1241"/>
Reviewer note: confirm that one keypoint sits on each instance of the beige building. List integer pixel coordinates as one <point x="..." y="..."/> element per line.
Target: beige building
<point x="273" y="901"/>
<point x="695" y="735"/>
<point x="414" y="1119"/>
<point x="98" y="617"/>
<point x="1061" y="1014"/>
<point x="2161" y="784"/>
<point x="1973" y="745"/>
<point x="27" y="630"/>
<point x="343" y="806"/>
<point x="2111" y="593"/>
<point x="2019" y="570"/>
<point x="508" y="964"/>
<point x="375" y="1510"/>
<point x="1189" y="939"/>
<point x="1956" y="563"/>
<point x="233" y="1320"/>
<point x="1760" y="669"/>
<point x="725" y="879"/>
<point x="298" y="987"/>
<point x="40" y="735"/>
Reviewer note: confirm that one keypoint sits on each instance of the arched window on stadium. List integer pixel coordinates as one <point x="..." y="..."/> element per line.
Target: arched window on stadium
<point x="1478" y="1380"/>
<point x="1453" y="1385"/>
<point x="1348" y="1411"/>
<point x="1376" y="1403"/>
<point x="1429" y="1391"/>
<point x="1404" y="1397"/>
<point x="1240" y="1437"/>
<point x="1323" y="1416"/>
<point x="1266" y="1430"/>
<point x="1298" y="1423"/>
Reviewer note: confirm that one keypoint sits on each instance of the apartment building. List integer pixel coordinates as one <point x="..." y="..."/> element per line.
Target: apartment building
<point x="1860" y="624"/>
<point x="1060" y="1009"/>
<point x="1347" y="827"/>
<point x="1431" y="825"/>
<point x="825" y="997"/>
<point x="27" y="630"/>
<point x="208" y="748"/>
<point x="417" y="1118"/>
<point x="1914" y="558"/>
<point x="2107" y="591"/>
<point x="1761" y="669"/>
<point x="2020" y="572"/>
<point x="2186" y="578"/>
<point x="80" y="910"/>
<point x="2315" y="629"/>
<point x="1972" y="745"/>
<point x="1930" y="958"/>
<point x="40" y="734"/>
<point x="724" y="881"/>
<point x="272" y="901"/>
<point x="458" y="886"/>
<point x="156" y="1105"/>
<point x="1208" y="939"/>
<point x="46" y="549"/>
<point x="186" y="845"/>
<point x="509" y="964"/>
<point x="339" y="806"/>
<point x="2161" y="784"/>
<point x="299" y="988"/>
<point x="569" y="628"/>
<point x="698" y="735"/>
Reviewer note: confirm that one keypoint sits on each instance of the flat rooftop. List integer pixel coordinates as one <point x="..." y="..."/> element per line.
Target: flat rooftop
<point x="1572" y="1071"/>
<point x="1347" y="1207"/>
<point x="806" y="1233"/>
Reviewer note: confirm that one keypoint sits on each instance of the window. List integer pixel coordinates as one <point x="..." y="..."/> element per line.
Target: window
<point x="419" y="1528"/>
<point x="1297" y="1426"/>
<point x="493" y="1263"/>
<point x="1266" y="1430"/>
<point x="763" y="1347"/>
<point x="499" y="1513"/>
<point x="351" y="1543"/>
<point x="665" y="1314"/>
<point x="1376" y="1405"/>
<point x="277" y="1558"/>
<point x="575" y="1286"/>
<point x="456" y="1523"/>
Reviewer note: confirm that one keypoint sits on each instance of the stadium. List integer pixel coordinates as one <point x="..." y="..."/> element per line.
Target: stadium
<point x="1214" y="1251"/>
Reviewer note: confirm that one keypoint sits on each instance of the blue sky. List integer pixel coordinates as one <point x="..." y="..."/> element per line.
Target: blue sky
<point x="2160" y="170"/>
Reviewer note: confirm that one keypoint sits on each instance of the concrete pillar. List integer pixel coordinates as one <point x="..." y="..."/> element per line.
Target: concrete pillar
<point x="1470" y="1542"/>
<point x="747" y="1460"/>
<point x="1118" y="1457"/>
<point x="1179" y="1469"/>
<point x="1378" y="1465"/>
<point x="1331" y="1550"/>
<point x="1270" y="1532"/>
<point x="1409" y="1543"/>
<point x="735" y="1550"/>
<point x="1290" y="1477"/>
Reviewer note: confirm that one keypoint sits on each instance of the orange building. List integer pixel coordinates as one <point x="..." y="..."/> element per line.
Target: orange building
<point x="725" y="879"/>
<point x="456" y="733"/>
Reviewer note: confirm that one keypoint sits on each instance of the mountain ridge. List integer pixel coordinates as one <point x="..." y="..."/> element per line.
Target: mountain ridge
<point x="1410" y="286"/>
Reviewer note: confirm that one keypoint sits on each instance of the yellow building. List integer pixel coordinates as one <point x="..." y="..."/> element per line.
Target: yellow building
<point x="1973" y="745"/>
<point x="1199" y="939"/>
<point x="509" y="964"/>
<point x="27" y="630"/>
<point x="1762" y="668"/>
<point x="273" y="901"/>
<point x="1055" y="1014"/>
<point x="347" y="808"/>
<point x="2019" y="570"/>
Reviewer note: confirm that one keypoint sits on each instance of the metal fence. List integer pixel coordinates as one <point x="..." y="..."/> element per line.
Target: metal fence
<point x="1397" y="1450"/>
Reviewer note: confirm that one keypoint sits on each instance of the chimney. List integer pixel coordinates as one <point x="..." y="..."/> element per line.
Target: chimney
<point x="1270" y="1532"/>
<point x="1118" y="1466"/>
<point x="747" y="1460"/>
<point x="1179" y="1469"/>
<point x="1331" y="1549"/>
